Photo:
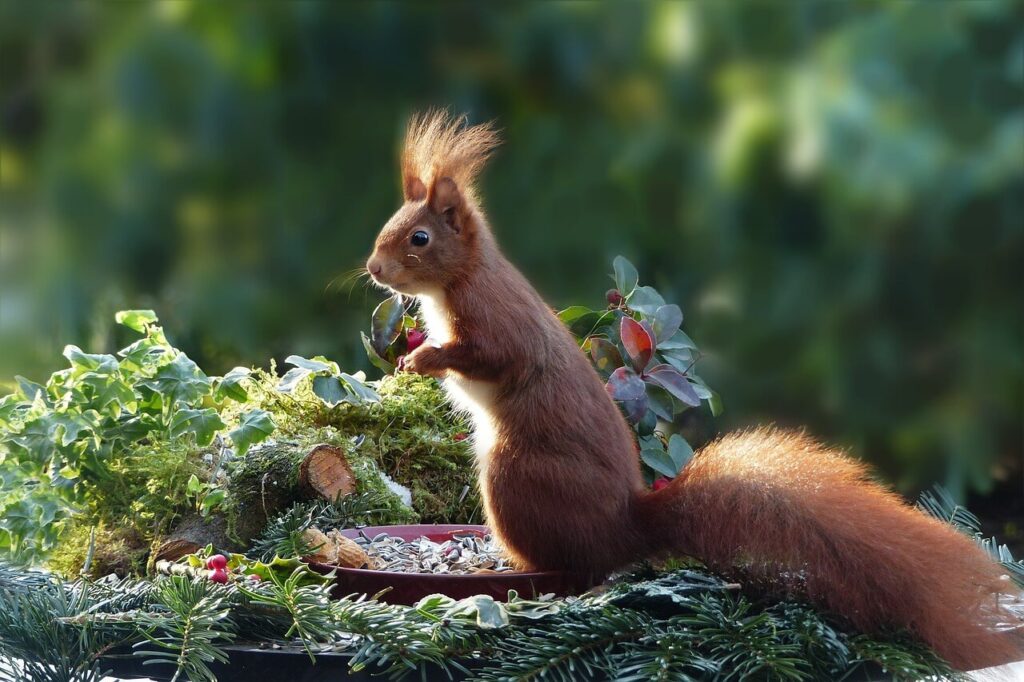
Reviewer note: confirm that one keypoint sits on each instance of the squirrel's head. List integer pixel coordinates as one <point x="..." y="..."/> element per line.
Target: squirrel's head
<point x="433" y="240"/>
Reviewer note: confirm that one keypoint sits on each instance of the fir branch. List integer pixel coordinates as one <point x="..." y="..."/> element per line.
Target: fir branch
<point x="188" y="636"/>
<point x="571" y="646"/>
<point x="308" y="607"/>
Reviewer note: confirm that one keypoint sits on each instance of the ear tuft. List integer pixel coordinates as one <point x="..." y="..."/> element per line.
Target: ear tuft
<point x="414" y="189"/>
<point x="446" y="200"/>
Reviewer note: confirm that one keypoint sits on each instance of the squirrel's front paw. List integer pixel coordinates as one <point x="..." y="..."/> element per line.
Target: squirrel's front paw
<point x="424" y="360"/>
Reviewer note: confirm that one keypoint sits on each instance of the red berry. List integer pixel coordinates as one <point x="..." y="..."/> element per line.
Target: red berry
<point x="219" y="575"/>
<point x="660" y="483"/>
<point x="414" y="339"/>
<point x="460" y="436"/>
<point x="614" y="297"/>
<point x="217" y="561"/>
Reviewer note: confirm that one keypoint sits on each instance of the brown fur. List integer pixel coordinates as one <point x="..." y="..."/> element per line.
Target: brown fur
<point x="558" y="465"/>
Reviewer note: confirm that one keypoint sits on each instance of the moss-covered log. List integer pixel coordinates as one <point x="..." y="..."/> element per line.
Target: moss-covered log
<point x="192" y="534"/>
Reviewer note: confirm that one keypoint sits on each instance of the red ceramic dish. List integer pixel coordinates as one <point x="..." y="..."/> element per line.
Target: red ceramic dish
<point x="408" y="588"/>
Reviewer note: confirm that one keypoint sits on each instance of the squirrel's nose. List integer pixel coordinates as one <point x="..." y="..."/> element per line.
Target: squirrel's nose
<point x="374" y="268"/>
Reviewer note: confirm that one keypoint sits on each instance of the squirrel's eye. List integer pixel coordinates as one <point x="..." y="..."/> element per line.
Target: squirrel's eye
<point x="420" y="238"/>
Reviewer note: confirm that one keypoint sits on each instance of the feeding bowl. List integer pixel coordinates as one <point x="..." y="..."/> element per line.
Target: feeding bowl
<point x="408" y="588"/>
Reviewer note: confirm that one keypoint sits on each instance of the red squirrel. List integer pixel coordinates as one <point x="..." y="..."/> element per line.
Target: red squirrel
<point x="558" y="467"/>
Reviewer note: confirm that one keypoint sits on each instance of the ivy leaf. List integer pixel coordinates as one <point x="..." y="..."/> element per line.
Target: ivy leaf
<point x="362" y="392"/>
<point x="637" y="341"/>
<point x="666" y="323"/>
<point x="626" y="276"/>
<point x="135" y="319"/>
<point x="71" y="424"/>
<point x="204" y="424"/>
<point x="386" y="323"/>
<point x="375" y="359"/>
<point x="645" y="300"/>
<point x="625" y="384"/>
<point x="230" y="385"/>
<point x="679" y="451"/>
<point x="89" y="362"/>
<point x="329" y="390"/>
<point x="317" y="364"/>
<point x="659" y="460"/>
<point x="669" y="378"/>
<point x="143" y="354"/>
<point x="110" y="394"/>
<point x="254" y="426"/>
<point x="179" y="381"/>
<point x="30" y="389"/>
<point x="9" y="406"/>
<point x="606" y="355"/>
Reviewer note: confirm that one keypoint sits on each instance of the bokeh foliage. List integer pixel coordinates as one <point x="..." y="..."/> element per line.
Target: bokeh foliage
<point x="832" y="191"/>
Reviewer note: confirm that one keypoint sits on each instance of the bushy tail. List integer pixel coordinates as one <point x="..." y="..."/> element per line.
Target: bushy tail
<point x="780" y="506"/>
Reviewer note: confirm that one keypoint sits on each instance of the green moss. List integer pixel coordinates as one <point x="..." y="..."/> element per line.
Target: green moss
<point x="411" y="435"/>
<point x="121" y="550"/>
<point x="261" y="485"/>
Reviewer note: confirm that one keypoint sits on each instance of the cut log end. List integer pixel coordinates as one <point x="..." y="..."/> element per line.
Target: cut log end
<point x="325" y="473"/>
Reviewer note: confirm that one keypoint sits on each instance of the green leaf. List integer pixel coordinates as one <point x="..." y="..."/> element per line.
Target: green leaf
<point x="179" y="381"/>
<point x="386" y="323"/>
<point x="666" y="322"/>
<point x="626" y="276"/>
<point x="30" y="389"/>
<point x="583" y="321"/>
<point x="317" y="364"/>
<point x="375" y="359"/>
<point x="144" y="354"/>
<point x="659" y="460"/>
<point x="10" y="405"/>
<point x="660" y="402"/>
<point x="135" y="319"/>
<point x="679" y="451"/>
<point x="110" y="392"/>
<point x="204" y="424"/>
<point x="645" y="300"/>
<point x="679" y="340"/>
<point x="89" y="362"/>
<point x="230" y="385"/>
<point x="70" y="425"/>
<point x="253" y="427"/>
<point x="605" y="354"/>
<point x="194" y="485"/>
<point x="715" y="403"/>
<point x="329" y="390"/>
<point x="359" y="389"/>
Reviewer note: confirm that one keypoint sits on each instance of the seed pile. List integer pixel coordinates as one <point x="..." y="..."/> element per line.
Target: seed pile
<point x="462" y="555"/>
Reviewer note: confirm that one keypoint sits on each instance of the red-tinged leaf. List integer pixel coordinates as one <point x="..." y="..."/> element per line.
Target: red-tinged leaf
<point x="624" y="384"/>
<point x="638" y="342"/>
<point x="635" y="410"/>
<point x="669" y="378"/>
<point x="606" y="355"/>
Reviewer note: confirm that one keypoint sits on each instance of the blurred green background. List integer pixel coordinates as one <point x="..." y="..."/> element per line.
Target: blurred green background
<point x="832" y="191"/>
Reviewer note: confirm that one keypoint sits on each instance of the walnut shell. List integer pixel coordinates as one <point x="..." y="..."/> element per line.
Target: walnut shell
<point x="348" y="553"/>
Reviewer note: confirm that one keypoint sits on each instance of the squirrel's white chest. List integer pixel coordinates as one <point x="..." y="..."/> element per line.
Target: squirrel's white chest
<point x="475" y="398"/>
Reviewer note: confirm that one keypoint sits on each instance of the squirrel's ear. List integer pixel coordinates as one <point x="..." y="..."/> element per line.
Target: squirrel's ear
<point x="446" y="201"/>
<point x="414" y="189"/>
